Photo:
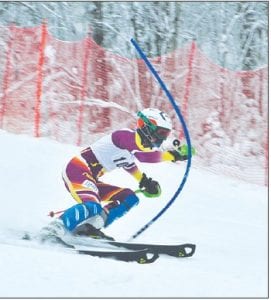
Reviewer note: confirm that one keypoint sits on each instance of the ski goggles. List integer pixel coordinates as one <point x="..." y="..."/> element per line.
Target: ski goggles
<point x="157" y="131"/>
<point x="157" y="137"/>
<point x="161" y="133"/>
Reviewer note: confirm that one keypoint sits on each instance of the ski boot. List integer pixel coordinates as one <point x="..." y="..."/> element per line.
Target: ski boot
<point x="88" y="230"/>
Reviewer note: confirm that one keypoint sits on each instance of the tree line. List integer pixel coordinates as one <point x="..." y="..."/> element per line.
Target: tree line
<point x="232" y="34"/>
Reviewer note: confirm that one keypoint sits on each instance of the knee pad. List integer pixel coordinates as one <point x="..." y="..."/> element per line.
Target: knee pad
<point x="78" y="213"/>
<point x="120" y="210"/>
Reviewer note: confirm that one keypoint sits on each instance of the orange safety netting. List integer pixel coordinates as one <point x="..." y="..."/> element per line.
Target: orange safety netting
<point x="75" y="92"/>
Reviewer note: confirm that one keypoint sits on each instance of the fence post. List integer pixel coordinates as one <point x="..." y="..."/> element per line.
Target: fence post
<point x="188" y="82"/>
<point x="83" y="93"/>
<point x="6" y="76"/>
<point x="39" y="79"/>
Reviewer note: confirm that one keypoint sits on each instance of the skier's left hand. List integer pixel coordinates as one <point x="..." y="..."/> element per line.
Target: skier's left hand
<point x="149" y="187"/>
<point x="181" y="153"/>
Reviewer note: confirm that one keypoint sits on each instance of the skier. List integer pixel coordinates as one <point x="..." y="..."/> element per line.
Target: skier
<point x="99" y="204"/>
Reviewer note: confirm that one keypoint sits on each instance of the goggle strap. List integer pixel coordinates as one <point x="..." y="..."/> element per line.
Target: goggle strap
<point x="147" y="121"/>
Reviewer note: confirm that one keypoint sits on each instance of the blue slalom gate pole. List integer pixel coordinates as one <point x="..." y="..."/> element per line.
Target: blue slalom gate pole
<point x="187" y="137"/>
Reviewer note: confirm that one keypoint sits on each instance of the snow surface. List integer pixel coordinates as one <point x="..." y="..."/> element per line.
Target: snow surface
<point x="227" y="219"/>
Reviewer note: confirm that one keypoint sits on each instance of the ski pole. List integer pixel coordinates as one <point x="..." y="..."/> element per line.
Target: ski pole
<point x="54" y="213"/>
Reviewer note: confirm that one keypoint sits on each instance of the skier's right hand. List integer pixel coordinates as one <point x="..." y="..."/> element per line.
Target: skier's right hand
<point x="149" y="187"/>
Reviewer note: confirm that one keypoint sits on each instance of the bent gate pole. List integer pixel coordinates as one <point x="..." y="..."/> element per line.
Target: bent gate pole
<point x="187" y="137"/>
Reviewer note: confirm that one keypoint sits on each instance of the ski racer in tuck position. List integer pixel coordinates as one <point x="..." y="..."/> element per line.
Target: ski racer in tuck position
<point x="99" y="204"/>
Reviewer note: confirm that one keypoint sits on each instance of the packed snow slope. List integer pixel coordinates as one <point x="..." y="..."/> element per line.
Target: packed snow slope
<point x="227" y="220"/>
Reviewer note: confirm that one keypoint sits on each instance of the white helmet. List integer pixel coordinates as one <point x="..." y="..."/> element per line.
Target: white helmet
<point x="153" y="126"/>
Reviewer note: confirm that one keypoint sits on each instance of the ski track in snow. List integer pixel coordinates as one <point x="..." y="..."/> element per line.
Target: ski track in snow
<point x="227" y="220"/>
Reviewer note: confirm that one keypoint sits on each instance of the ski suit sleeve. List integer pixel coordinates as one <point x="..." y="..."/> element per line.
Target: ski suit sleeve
<point x="154" y="156"/>
<point x="148" y="157"/>
<point x="134" y="171"/>
<point x="125" y="139"/>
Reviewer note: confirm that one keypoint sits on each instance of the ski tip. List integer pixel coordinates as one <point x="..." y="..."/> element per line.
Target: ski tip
<point x="148" y="257"/>
<point x="188" y="250"/>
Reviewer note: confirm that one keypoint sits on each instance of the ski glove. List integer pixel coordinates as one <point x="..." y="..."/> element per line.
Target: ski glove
<point x="149" y="187"/>
<point x="181" y="153"/>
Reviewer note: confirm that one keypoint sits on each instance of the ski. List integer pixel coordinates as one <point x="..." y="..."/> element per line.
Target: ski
<point x="141" y="256"/>
<point x="125" y="251"/>
<point x="176" y="250"/>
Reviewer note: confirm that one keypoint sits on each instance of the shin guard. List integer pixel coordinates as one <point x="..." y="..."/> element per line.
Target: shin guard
<point x="120" y="210"/>
<point x="78" y="213"/>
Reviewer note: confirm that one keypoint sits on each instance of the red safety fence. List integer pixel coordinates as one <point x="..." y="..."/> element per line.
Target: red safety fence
<point x="75" y="92"/>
